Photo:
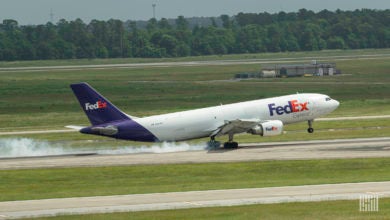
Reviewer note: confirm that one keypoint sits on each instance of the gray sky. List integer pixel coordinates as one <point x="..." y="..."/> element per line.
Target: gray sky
<point x="38" y="11"/>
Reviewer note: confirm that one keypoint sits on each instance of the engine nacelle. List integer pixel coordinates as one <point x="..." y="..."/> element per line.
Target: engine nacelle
<point x="269" y="128"/>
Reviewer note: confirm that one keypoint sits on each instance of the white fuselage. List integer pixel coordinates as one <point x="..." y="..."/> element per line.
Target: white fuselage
<point x="202" y="122"/>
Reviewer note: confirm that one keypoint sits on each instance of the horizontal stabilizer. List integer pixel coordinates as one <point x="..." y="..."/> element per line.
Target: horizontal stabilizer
<point x="75" y="127"/>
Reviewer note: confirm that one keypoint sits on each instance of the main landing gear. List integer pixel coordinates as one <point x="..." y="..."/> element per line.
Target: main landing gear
<point x="310" y="129"/>
<point x="230" y="144"/>
<point x="213" y="144"/>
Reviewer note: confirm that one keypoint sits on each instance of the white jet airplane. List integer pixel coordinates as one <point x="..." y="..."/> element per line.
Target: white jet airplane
<point x="264" y="117"/>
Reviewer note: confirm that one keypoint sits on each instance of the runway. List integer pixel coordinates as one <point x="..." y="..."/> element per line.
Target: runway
<point x="295" y="150"/>
<point x="191" y="63"/>
<point x="192" y="199"/>
<point x="319" y="149"/>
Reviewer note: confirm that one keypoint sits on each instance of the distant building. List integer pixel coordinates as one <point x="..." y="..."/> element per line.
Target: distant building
<point x="297" y="70"/>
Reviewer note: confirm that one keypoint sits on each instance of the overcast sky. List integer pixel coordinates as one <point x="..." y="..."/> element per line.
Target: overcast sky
<point x="38" y="11"/>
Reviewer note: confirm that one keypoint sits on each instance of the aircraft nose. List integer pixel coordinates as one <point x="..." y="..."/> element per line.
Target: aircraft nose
<point x="336" y="103"/>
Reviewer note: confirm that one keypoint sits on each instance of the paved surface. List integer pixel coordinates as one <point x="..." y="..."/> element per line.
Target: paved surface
<point x="192" y="199"/>
<point x="192" y="63"/>
<point x="342" y="148"/>
<point x="36" y="132"/>
<point x="354" y="118"/>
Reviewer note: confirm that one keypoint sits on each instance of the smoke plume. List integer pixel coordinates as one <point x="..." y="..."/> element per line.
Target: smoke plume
<point x="26" y="147"/>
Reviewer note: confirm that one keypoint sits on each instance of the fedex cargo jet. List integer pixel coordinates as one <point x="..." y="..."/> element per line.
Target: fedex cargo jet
<point x="264" y="117"/>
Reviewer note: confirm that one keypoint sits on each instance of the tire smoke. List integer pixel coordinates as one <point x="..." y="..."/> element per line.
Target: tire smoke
<point x="165" y="147"/>
<point x="26" y="147"/>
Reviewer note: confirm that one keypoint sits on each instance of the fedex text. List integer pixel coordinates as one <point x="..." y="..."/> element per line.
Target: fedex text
<point x="97" y="105"/>
<point x="292" y="106"/>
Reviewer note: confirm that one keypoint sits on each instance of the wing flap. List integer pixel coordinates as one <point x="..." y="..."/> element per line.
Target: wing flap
<point x="236" y="126"/>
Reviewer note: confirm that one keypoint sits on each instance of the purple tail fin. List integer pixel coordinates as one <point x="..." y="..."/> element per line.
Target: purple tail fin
<point x="98" y="109"/>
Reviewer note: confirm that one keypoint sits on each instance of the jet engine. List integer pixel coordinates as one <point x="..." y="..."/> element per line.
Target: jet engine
<point x="268" y="128"/>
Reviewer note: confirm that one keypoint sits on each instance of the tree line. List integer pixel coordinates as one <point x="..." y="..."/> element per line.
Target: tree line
<point x="304" y="30"/>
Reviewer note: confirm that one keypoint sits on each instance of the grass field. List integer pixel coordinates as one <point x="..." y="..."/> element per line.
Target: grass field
<point x="38" y="100"/>
<point x="306" y="210"/>
<point x="98" y="181"/>
<point x="43" y="99"/>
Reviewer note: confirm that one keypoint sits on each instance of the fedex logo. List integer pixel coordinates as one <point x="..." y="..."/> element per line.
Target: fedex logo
<point x="273" y="128"/>
<point x="97" y="105"/>
<point x="292" y="106"/>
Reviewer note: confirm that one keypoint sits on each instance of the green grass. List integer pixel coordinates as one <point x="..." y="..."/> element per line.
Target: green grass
<point x="43" y="99"/>
<point x="342" y="210"/>
<point x="99" y="181"/>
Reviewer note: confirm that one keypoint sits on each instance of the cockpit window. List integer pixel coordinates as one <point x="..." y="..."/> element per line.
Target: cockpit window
<point x="327" y="99"/>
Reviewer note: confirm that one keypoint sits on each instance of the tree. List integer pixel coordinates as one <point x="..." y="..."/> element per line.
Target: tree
<point x="213" y="22"/>
<point x="309" y="37"/>
<point x="9" y="24"/>
<point x="183" y="50"/>
<point x="292" y="43"/>
<point x="169" y="44"/>
<point x="152" y="25"/>
<point x="226" y="22"/>
<point x="304" y="14"/>
<point x="118" y="46"/>
<point x="181" y="23"/>
<point x="251" y="38"/>
<point x="164" y="24"/>
<point x="336" y="43"/>
<point x="244" y="33"/>
<point x="274" y="38"/>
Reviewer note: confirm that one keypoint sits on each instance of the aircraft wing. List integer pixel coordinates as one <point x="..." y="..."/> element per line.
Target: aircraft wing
<point x="236" y="126"/>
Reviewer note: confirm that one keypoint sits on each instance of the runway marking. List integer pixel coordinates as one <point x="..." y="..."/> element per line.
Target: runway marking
<point x="194" y="203"/>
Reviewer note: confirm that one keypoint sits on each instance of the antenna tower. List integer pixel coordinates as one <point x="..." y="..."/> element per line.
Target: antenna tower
<point x="154" y="10"/>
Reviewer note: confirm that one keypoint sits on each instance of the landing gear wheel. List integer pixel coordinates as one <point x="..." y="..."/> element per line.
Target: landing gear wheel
<point x="310" y="129"/>
<point x="213" y="144"/>
<point x="230" y="145"/>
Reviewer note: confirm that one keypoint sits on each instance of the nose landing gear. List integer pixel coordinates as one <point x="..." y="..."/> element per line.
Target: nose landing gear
<point x="310" y="129"/>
